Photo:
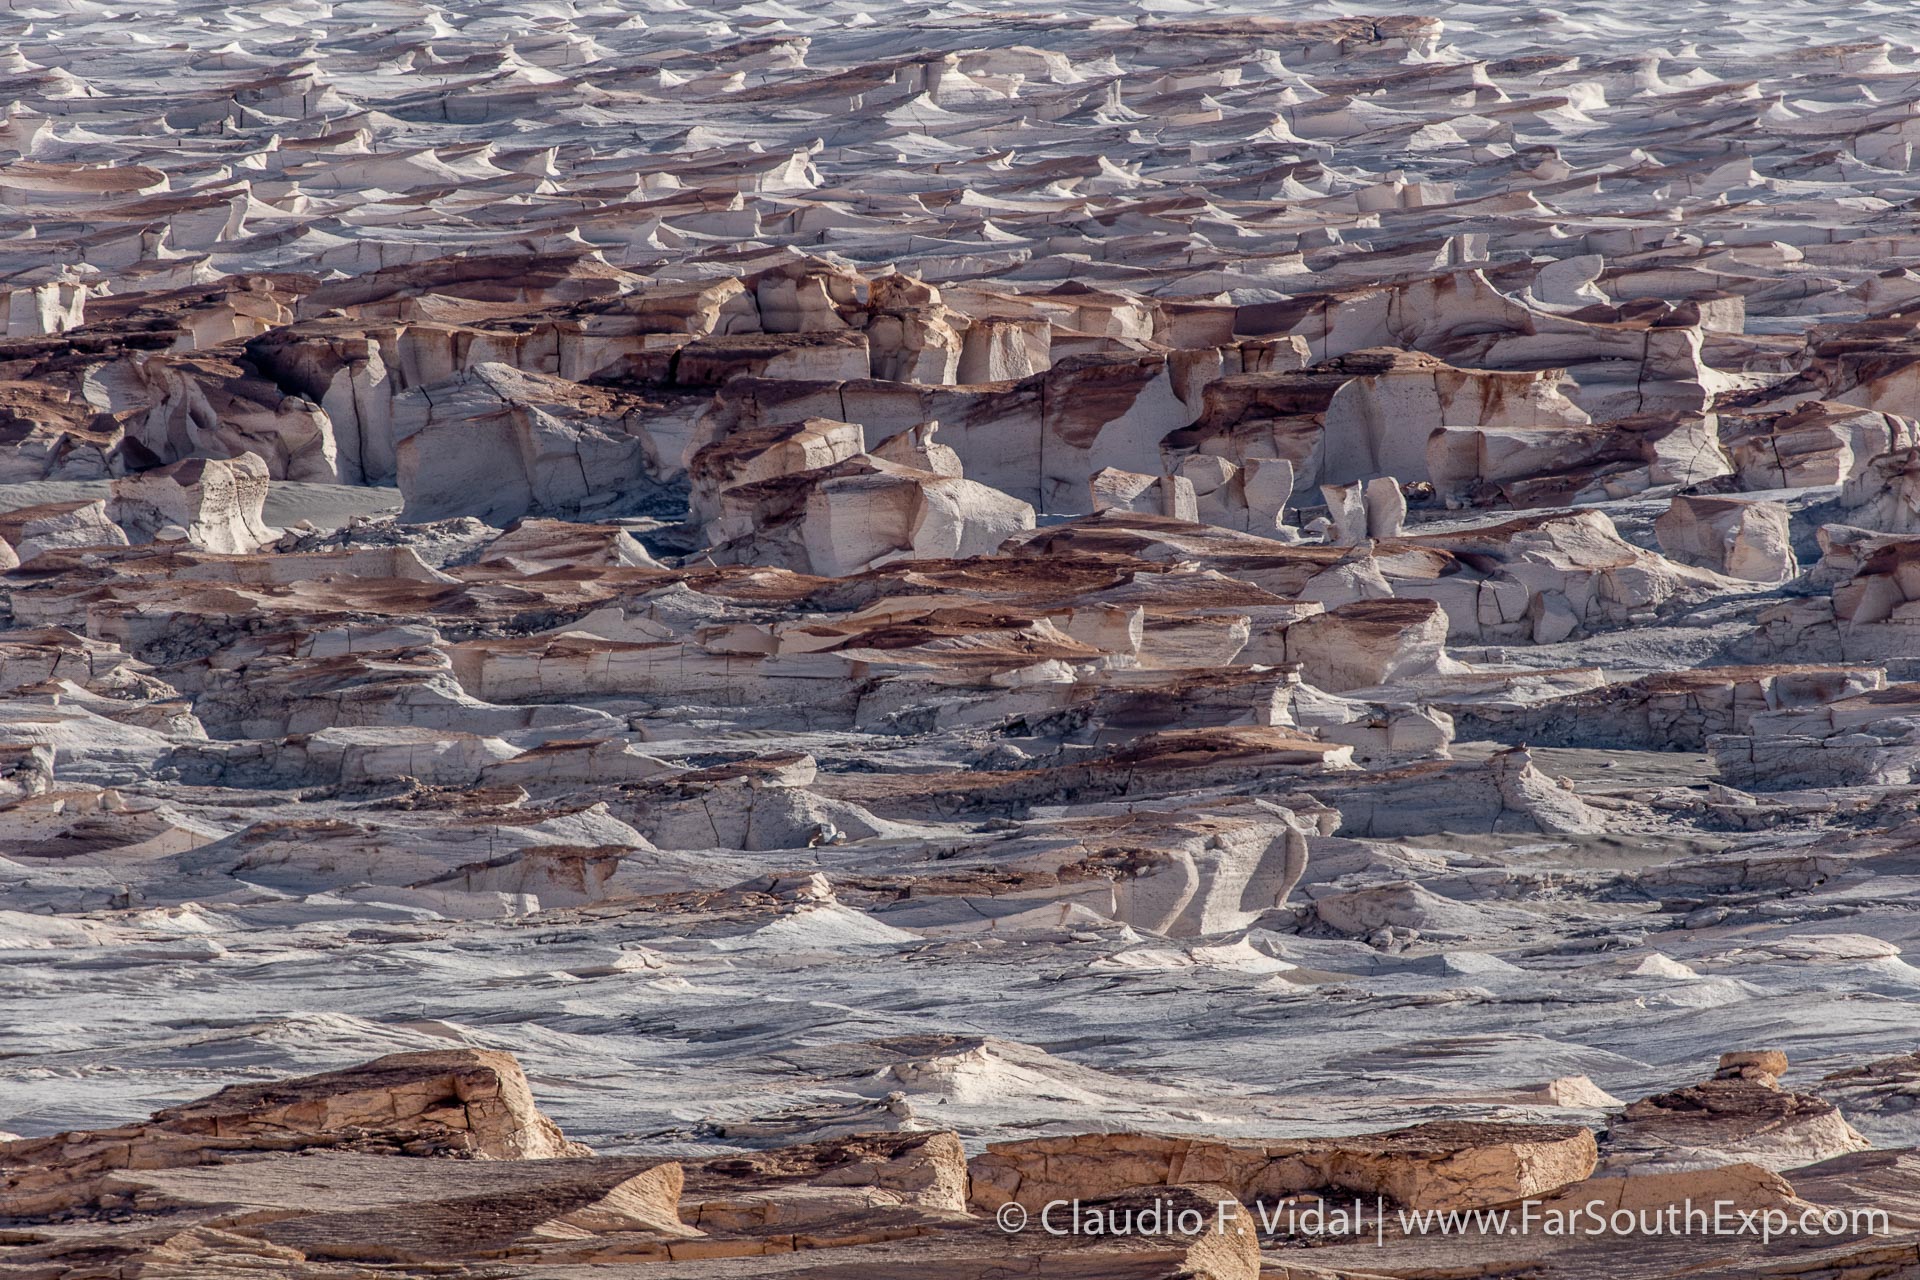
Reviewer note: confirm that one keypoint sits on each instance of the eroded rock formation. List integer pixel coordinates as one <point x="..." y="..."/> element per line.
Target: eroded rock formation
<point x="1223" y="610"/>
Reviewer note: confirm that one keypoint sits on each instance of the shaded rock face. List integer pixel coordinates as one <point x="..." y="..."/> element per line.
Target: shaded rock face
<point x="500" y="444"/>
<point x="1740" y="1114"/>
<point x="1747" y="540"/>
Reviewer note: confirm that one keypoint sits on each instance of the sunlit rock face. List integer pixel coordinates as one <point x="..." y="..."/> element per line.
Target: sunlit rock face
<point x="723" y="640"/>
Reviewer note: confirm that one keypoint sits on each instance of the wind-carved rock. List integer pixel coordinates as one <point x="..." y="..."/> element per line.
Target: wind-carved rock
<point x="500" y="444"/>
<point x="1739" y="1114"/>
<point x="1748" y="540"/>
<point x="1815" y="443"/>
<point x="463" y="1102"/>
<point x="1370" y="642"/>
<point x="30" y="531"/>
<point x="808" y="497"/>
<point x="1370" y="413"/>
<point x="767" y="453"/>
<point x="210" y="504"/>
<point x="1268" y="541"/>
<point x="1171" y="496"/>
<point x="916" y="447"/>
<point x="209" y="406"/>
<point x="1884" y="493"/>
<point x="1362" y="512"/>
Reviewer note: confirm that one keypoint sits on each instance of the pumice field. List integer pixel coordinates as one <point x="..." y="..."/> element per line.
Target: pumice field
<point x="826" y="640"/>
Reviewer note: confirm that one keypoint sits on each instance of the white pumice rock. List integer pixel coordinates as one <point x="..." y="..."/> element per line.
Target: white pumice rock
<point x="1752" y="541"/>
<point x="210" y="504"/>
<point x="891" y="617"/>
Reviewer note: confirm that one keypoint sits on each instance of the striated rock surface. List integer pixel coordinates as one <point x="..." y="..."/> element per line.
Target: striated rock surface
<point x="1198" y="608"/>
<point x="464" y="1102"/>
<point x="1437" y="1166"/>
<point x="211" y="505"/>
<point x="1740" y="1114"/>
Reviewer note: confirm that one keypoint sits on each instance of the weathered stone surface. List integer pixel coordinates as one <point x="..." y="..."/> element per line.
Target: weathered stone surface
<point x="1370" y="642"/>
<point x="856" y="585"/>
<point x="499" y="444"/>
<point x="1430" y="1166"/>
<point x="1740" y="1114"/>
<point x="212" y="505"/>
<point x="29" y="531"/>
<point x="1816" y="443"/>
<point x="470" y="1102"/>
<point x="749" y="457"/>
<point x="1747" y="540"/>
<point x="860" y="514"/>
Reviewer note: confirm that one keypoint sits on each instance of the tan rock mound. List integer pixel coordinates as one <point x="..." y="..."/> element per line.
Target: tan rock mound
<point x="1742" y="539"/>
<point x="469" y="1102"/>
<point x="1741" y="1114"/>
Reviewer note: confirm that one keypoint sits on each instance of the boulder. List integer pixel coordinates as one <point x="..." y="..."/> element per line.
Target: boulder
<point x="1815" y="443"/>
<point x="50" y="526"/>
<point x="858" y="514"/>
<point x="1378" y="422"/>
<point x="915" y="447"/>
<point x="214" y="505"/>
<point x="1867" y="738"/>
<point x="1386" y="505"/>
<point x="1111" y="489"/>
<point x="1547" y="578"/>
<point x="1360" y="511"/>
<point x="1506" y="793"/>
<point x="1567" y="465"/>
<point x="1004" y="349"/>
<point x="547" y="544"/>
<point x="1369" y="642"/>
<point x="499" y="444"/>
<point x="756" y="454"/>
<point x="472" y="1102"/>
<point x="208" y="405"/>
<point x="1743" y="539"/>
<point x="1884" y="493"/>
<point x="1739" y="1115"/>
<point x="1347" y="513"/>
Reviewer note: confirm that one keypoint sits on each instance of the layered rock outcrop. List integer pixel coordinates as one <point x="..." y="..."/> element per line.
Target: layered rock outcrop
<point x="1241" y="614"/>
